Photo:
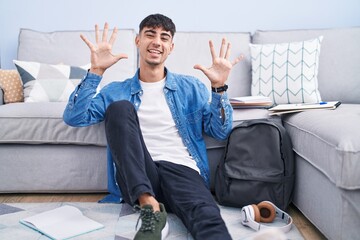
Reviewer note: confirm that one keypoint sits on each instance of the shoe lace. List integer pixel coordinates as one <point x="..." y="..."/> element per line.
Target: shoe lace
<point x="148" y="218"/>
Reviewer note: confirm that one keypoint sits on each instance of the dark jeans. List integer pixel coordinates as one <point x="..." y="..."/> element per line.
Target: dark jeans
<point x="181" y="189"/>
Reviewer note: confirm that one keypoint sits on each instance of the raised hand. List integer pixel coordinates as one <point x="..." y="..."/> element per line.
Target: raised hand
<point x="101" y="56"/>
<point x="219" y="72"/>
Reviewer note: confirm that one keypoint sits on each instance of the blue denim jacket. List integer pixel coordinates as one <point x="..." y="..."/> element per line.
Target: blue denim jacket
<point x="188" y="100"/>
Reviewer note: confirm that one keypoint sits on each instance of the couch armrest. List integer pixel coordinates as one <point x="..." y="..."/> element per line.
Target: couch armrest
<point x="1" y="96"/>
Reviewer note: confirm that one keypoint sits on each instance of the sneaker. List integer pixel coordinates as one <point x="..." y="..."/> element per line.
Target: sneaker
<point x="153" y="224"/>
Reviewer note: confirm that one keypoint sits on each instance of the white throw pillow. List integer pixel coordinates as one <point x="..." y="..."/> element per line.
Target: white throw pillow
<point x="49" y="83"/>
<point x="286" y="72"/>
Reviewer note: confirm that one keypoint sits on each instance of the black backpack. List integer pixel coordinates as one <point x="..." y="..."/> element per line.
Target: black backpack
<point x="257" y="165"/>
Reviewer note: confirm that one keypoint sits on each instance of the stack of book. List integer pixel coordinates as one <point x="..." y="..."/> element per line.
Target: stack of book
<point x="251" y="102"/>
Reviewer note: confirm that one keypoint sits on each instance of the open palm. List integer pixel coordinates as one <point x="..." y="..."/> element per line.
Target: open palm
<point x="221" y="67"/>
<point x="101" y="54"/>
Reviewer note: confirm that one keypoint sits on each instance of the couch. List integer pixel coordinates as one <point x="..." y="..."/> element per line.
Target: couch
<point x="39" y="153"/>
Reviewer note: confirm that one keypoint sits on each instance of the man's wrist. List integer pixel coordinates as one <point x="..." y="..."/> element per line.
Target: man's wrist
<point x="96" y="71"/>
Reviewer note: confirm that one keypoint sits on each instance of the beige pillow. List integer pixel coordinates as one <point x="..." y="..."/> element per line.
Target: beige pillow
<point x="11" y="84"/>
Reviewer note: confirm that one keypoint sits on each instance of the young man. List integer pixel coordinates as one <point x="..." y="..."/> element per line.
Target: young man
<point x="154" y="124"/>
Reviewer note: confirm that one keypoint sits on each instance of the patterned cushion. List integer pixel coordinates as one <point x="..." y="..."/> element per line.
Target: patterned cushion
<point x="286" y="72"/>
<point x="49" y="83"/>
<point x="11" y="85"/>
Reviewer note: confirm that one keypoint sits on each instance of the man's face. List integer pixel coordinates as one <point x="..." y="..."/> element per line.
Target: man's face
<point x="155" y="45"/>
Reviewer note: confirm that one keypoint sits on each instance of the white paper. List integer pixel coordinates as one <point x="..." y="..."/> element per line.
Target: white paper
<point x="62" y="223"/>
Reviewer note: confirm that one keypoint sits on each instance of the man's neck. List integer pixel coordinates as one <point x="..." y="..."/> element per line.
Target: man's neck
<point x="152" y="74"/>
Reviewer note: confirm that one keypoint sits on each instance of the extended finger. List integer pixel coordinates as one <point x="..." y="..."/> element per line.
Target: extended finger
<point x="121" y="56"/>
<point x="238" y="59"/>
<point x="90" y="45"/>
<point x="105" y="32"/>
<point x="97" y="33"/>
<point x="113" y="36"/>
<point x="228" y="51"/>
<point x="200" y="67"/>
<point x="212" y="50"/>
<point x="222" y="48"/>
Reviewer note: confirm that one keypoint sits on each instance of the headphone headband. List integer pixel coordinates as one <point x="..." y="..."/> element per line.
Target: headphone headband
<point x="248" y="218"/>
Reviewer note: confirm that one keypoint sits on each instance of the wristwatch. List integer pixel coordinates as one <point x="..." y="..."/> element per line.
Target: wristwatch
<point x="220" y="89"/>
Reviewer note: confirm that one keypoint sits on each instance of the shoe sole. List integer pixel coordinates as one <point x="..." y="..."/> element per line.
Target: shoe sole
<point x="165" y="231"/>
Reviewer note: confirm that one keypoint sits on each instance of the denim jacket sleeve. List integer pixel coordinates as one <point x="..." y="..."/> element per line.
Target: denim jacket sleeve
<point x="219" y="125"/>
<point x="85" y="107"/>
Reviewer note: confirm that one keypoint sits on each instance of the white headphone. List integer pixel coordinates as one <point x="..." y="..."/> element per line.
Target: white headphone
<point x="266" y="212"/>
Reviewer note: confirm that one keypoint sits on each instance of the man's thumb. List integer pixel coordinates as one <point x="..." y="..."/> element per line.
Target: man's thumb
<point x="121" y="56"/>
<point x="200" y="67"/>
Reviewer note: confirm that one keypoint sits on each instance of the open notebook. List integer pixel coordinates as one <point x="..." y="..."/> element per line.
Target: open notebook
<point x="61" y="223"/>
<point x="299" y="107"/>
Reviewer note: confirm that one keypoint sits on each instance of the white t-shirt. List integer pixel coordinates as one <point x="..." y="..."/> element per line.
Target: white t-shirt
<point x="160" y="134"/>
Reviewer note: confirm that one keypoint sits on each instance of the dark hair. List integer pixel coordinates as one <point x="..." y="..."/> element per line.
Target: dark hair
<point x="158" y="20"/>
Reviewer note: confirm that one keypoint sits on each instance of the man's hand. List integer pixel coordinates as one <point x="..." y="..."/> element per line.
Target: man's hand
<point x="101" y="55"/>
<point x="219" y="72"/>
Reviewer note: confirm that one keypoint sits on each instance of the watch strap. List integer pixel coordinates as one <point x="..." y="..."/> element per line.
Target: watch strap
<point x="220" y="89"/>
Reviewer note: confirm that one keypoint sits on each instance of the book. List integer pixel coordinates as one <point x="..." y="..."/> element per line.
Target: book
<point x="251" y="102"/>
<point x="299" y="107"/>
<point x="61" y="223"/>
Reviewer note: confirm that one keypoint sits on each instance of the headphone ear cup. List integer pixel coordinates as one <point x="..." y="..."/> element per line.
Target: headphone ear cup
<point x="257" y="216"/>
<point x="266" y="211"/>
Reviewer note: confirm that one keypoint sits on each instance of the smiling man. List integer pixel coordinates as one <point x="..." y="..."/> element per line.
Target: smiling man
<point x="154" y="124"/>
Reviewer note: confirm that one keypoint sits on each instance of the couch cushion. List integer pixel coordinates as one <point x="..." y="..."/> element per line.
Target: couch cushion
<point x="36" y="123"/>
<point x="329" y="140"/>
<point x="49" y="83"/>
<point x="339" y="62"/>
<point x="193" y="48"/>
<point x="286" y="72"/>
<point x="66" y="47"/>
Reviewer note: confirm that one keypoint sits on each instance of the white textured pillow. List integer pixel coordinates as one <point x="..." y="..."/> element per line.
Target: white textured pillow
<point x="286" y="72"/>
<point x="49" y="83"/>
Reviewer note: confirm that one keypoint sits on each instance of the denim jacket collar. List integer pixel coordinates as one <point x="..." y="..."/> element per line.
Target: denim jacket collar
<point x="170" y="82"/>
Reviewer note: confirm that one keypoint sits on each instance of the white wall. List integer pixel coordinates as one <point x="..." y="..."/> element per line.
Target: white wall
<point x="188" y="15"/>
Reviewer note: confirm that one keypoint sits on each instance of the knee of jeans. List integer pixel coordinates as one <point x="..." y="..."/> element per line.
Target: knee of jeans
<point x="206" y="210"/>
<point x="118" y="107"/>
<point x="118" y="112"/>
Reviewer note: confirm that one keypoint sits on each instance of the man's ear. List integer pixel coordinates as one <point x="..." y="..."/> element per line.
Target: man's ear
<point x="172" y="47"/>
<point x="137" y="40"/>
